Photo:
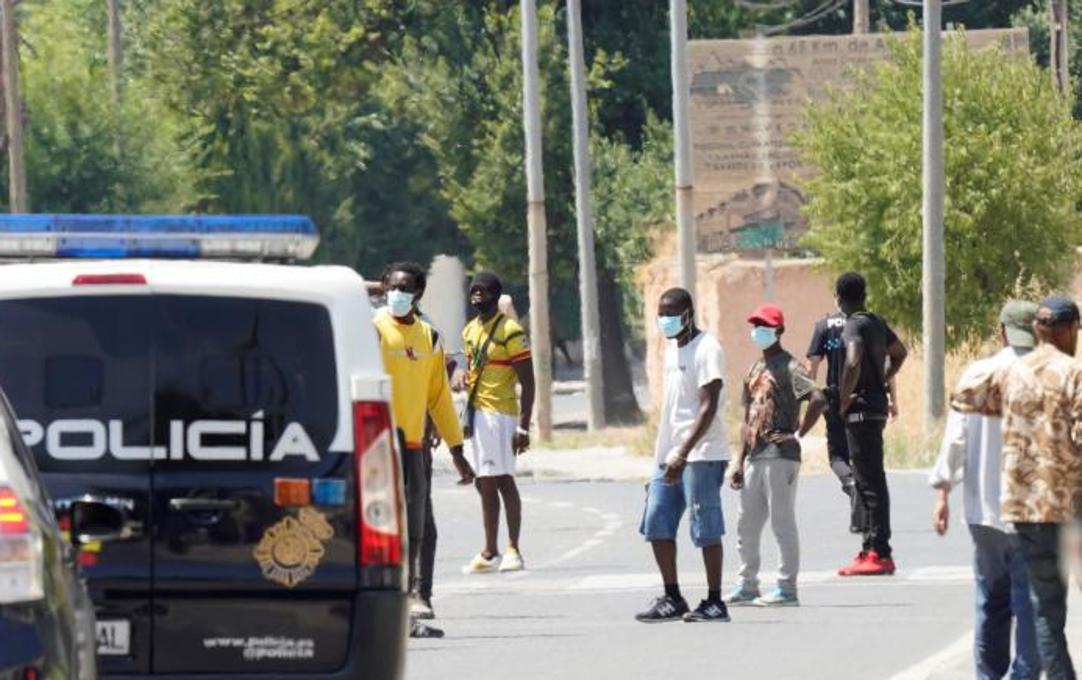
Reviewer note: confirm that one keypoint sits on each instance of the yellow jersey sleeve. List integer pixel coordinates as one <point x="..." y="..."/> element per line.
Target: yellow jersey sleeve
<point x="515" y="342"/>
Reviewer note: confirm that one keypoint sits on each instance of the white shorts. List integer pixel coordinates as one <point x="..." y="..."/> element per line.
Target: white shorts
<point x="493" y="434"/>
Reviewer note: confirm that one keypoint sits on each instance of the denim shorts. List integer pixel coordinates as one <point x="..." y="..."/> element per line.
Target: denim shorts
<point x="700" y="489"/>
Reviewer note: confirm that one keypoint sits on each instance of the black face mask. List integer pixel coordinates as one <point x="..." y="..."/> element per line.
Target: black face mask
<point x="485" y="307"/>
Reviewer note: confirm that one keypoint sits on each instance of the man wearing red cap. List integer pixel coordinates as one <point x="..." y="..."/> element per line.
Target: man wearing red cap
<point x="765" y="470"/>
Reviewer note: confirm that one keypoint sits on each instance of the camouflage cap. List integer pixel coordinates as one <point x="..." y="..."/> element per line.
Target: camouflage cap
<point x="1017" y="318"/>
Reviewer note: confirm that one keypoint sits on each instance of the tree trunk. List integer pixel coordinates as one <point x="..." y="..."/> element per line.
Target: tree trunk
<point x="621" y="407"/>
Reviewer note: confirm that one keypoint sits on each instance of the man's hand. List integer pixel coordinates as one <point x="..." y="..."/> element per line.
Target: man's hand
<point x="845" y="405"/>
<point x="466" y="474"/>
<point x="736" y="479"/>
<point x="893" y="410"/>
<point x="458" y="380"/>
<point x="675" y="470"/>
<point x="941" y="516"/>
<point x="520" y="444"/>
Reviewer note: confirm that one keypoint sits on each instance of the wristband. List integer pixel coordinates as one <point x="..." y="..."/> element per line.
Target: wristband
<point x="523" y="431"/>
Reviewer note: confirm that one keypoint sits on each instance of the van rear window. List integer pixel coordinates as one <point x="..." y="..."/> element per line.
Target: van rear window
<point x="132" y="367"/>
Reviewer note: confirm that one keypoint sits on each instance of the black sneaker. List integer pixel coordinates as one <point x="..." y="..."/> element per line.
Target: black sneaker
<point x="708" y="612"/>
<point x="664" y="609"/>
<point x="423" y="630"/>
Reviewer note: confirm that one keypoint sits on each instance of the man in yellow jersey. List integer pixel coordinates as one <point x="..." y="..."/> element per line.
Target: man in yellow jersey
<point x="413" y="358"/>
<point x="498" y="420"/>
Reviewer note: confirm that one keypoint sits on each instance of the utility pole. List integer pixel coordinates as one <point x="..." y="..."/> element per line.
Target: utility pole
<point x="116" y="49"/>
<point x="9" y="34"/>
<point x="1059" y="36"/>
<point x="535" y="224"/>
<point x="685" y="217"/>
<point x="591" y="333"/>
<point x="861" y="17"/>
<point x="934" y="277"/>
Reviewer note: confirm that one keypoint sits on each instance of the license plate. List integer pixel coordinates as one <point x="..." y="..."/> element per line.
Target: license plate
<point x="114" y="638"/>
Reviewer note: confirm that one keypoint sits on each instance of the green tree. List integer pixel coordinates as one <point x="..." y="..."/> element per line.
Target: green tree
<point x="84" y="154"/>
<point x="1013" y="173"/>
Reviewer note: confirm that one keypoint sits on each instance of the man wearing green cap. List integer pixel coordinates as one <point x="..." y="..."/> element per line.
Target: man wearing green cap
<point x="1039" y="397"/>
<point x="971" y="455"/>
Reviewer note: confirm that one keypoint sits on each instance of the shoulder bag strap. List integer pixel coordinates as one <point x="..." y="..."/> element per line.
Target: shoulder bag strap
<point x="483" y="359"/>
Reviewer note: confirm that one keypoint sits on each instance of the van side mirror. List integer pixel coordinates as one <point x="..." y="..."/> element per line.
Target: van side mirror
<point x="97" y="521"/>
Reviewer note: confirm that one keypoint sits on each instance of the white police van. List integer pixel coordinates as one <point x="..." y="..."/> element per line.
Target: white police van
<point x="216" y="434"/>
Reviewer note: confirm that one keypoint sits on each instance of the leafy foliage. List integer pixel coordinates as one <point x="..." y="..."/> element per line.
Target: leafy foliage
<point x="1013" y="173"/>
<point x="84" y="153"/>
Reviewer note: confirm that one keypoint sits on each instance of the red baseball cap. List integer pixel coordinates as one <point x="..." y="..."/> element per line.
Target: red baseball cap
<point x="767" y="315"/>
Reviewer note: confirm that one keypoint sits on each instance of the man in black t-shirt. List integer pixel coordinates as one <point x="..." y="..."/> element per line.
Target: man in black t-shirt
<point x="873" y="355"/>
<point x="827" y="343"/>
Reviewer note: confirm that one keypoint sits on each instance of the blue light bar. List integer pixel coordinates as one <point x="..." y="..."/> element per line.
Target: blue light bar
<point x="158" y="236"/>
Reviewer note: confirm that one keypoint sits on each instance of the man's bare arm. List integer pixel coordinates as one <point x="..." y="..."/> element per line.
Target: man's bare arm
<point x="812" y="364"/>
<point x="709" y="399"/>
<point x="897" y="353"/>
<point x="817" y="404"/>
<point x="854" y="354"/>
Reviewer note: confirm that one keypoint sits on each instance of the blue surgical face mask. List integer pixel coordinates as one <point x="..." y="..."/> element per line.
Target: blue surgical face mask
<point x="400" y="303"/>
<point x="670" y="326"/>
<point x="764" y="337"/>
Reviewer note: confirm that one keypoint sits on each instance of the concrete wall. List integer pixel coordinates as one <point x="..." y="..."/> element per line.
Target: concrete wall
<point x="728" y="290"/>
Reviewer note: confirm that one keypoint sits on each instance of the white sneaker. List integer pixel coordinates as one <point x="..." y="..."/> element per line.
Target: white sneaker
<point x="421" y="608"/>
<point x="512" y="561"/>
<point x="480" y="565"/>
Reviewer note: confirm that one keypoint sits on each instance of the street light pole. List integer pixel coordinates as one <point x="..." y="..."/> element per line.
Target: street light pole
<point x="591" y="335"/>
<point x="536" y="225"/>
<point x="9" y="35"/>
<point x="116" y="49"/>
<point x="685" y="218"/>
<point x="861" y="17"/>
<point x="934" y="264"/>
<point x="1059" y="36"/>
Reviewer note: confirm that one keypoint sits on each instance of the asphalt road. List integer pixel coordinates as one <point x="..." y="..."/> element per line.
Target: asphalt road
<point x="570" y="615"/>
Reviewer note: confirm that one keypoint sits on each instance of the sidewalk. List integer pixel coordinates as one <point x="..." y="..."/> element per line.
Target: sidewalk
<point x="596" y="464"/>
<point x="572" y="465"/>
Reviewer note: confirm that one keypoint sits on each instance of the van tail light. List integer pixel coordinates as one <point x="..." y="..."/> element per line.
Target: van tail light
<point x="109" y="280"/>
<point x="379" y="515"/>
<point x="21" y="573"/>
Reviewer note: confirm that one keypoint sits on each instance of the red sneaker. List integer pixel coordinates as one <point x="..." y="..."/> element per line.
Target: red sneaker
<point x="858" y="561"/>
<point x="874" y="565"/>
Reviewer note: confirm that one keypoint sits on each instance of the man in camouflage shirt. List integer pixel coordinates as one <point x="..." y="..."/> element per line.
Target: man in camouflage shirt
<point x="1039" y="398"/>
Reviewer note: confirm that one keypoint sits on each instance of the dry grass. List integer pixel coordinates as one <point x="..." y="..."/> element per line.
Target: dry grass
<point x="638" y="439"/>
<point x="907" y="445"/>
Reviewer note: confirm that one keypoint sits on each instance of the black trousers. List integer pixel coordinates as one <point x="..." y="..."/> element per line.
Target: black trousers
<point x="428" y="544"/>
<point x="840" y="464"/>
<point x="1040" y="548"/>
<point x="417" y="498"/>
<point x="866" y="453"/>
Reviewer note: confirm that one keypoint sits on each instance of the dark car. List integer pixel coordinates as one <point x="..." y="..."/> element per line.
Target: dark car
<point x="218" y="435"/>
<point x="46" y="619"/>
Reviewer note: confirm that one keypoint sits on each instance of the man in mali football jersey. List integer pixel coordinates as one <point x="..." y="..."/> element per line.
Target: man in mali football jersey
<point x="498" y="420"/>
<point x="413" y="357"/>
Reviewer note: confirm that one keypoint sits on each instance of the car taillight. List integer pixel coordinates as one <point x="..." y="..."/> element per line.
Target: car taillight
<point x="378" y="504"/>
<point x="21" y="577"/>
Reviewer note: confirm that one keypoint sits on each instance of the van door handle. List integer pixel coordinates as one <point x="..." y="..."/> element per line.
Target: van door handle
<point x="203" y="504"/>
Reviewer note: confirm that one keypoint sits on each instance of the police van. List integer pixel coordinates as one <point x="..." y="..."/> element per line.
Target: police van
<point x="212" y="422"/>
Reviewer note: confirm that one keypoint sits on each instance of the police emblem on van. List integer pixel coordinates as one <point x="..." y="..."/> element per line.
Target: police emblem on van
<point x="290" y="550"/>
<point x="88" y="439"/>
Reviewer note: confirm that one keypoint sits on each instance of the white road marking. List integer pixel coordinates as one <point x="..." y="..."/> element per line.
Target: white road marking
<point x="649" y="580"/>
<point x="560" y="504"/>
<point x="923" y="669"/>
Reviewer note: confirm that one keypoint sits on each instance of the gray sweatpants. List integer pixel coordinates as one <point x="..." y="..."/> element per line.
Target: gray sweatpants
<point x="769" y="492"/>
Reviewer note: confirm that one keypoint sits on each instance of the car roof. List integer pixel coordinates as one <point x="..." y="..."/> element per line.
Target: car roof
<point x="207" y="277"/>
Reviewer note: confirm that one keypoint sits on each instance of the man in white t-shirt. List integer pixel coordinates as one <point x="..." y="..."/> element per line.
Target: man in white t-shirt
<point x="692" y="453"/>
